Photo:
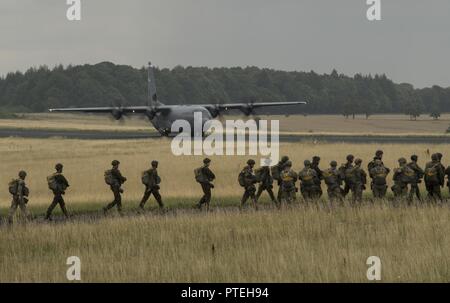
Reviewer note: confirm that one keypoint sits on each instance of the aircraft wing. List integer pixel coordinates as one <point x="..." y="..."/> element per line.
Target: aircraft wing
<point x="247" y="108"/>
<point x="111" y="109"/>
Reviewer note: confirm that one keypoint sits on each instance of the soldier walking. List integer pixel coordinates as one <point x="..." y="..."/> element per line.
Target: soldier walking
<point x="266" y="182"/>
<point x="58" y="184"/>
<point x="403" y="175"/>
<point x="346" y="167"/>
<point x="378" y="174"/>
<point x="205" y="176"/>
<point x="19" y="192"/>
<point x="276" y="174"/>
<point x="419" y="173"/>
<point x="434" y="178"/>
<point x="447" y="173"/>
<point x="151" y="180"/>
<point x="318" y="181"/>
<point x="288" y="179"/>
<point x="358" y="181"/>
<point x="333" y="180"/>
<point x="247" y="180"/>
<point x="308" y="182"/>
<point x="114" y="179"/>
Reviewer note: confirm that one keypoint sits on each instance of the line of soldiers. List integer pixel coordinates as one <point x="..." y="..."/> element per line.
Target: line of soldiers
<point x="350" y="177"/>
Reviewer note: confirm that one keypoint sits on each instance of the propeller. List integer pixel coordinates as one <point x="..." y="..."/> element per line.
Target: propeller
<point x="248" y="109"/>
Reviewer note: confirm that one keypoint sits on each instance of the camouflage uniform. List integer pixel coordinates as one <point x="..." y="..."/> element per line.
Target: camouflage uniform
<point x="434" y="178"/>
<point x="358" y="181"/>
<point x="342" y="171"/>
<point x="308" y="182"/>
<point x="58" y="193"/>
<point x="333" y="180"/>
<point x="266" y="183"/>
<point x="372" y="164"/>
<point x="419" y="175"/>
<point x="403" y="176"/>
<point x="447" y="172"/>
<point x="318" y="188"/>
<point x="249" y="183"/>
<point x="278" y="168"/>
<point x="378" y="174"/>
<point x="152" y="188"/>
<point x="19" y="199"/>
<point x="206" y="184"/>
<point x="288" y="179"/>
<point x="118" y="180"/>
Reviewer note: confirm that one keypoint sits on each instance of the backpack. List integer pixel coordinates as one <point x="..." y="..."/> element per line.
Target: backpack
<point x="307" y="176"/>
<point x="431" y="174"/>
<point x="287" y="179"/>
<point x="145" y="178"/>
<point x="51" y="181"/>
<point x="109" y="179"/>
<point x="329" y="177"/>
<point x="350" y="175"/>
<point x="275" y="171"/>
<point x="409" y="175"/>
<point x="241" y="179"/>
<point x="379" y="175"/>
<point x="13" y="186"/>
<point x="199" y="176"/>
<point x="259" y="174"/>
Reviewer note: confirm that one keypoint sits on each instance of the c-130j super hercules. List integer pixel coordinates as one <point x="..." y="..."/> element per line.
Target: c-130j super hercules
<point x="162" y="116"/>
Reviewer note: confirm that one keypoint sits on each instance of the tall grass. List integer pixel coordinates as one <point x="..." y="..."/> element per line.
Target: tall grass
<point x="298" y="244"/>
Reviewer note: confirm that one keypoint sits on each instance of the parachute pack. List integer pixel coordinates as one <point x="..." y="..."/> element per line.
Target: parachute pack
<point x="13" y="186"/>
<point x="51" y="181"/>
<point x="241" y="179"/>
<point x="199" y="176"/>
<point x="379" y="175"/>
<point x="329" y="177"/>
<point x="409" y="175"/>
<point x="145" y="178"/>
<point x="431" y="174"/>
<point x="275" y="171"/>
<point x="307" y="176"/>
<point x="109" y="179"/>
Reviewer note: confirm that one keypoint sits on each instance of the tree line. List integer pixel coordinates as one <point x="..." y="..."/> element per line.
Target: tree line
<point x="107" y="84"/>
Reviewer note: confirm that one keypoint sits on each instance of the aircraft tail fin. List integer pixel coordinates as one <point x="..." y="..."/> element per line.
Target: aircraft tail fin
<point x="152" y="96"/>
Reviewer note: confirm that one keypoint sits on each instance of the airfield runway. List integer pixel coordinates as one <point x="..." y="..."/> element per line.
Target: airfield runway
<point x="127" y="135"/>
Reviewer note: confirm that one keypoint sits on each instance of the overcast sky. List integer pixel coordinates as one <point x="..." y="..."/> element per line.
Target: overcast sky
<point x="410" y="44"/>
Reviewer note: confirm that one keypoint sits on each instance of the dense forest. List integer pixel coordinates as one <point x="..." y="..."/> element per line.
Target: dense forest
<point x="107" y="84"/>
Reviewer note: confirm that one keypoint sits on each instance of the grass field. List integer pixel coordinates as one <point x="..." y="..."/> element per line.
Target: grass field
<point x="292" y="245"/>
<point x="298" y="244"/>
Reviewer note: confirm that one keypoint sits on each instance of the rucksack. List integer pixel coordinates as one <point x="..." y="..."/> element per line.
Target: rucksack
<point x="51" y="181"/>
<point x="259" y="174"/>
<point x="409" y="175"/>
<point x="109" y="179"/>
<point x="329" y="177"/>
<point x="241" y="178"/>
<point x="13" y="186"/>
<point x="379" y="175"/>
<point x="431" y="174"/>
<point x="275" y="171"/>
<point x="145" y="178"/>
<point x="199" y="176"/>
<point x="307" y="176"/>
<point x="350" y="175"/>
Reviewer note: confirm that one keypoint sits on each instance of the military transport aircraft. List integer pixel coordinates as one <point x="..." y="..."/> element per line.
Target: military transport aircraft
<point x="162" y="116"/>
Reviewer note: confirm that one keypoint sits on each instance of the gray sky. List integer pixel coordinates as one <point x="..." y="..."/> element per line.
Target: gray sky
<point x="411" y="43"/>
